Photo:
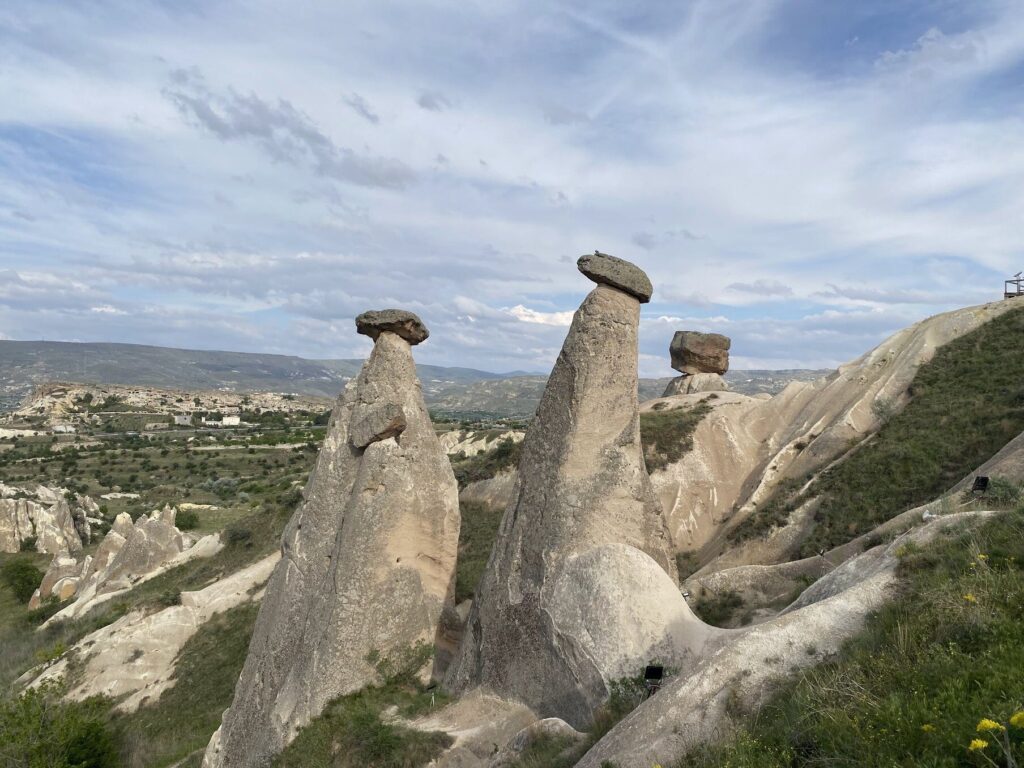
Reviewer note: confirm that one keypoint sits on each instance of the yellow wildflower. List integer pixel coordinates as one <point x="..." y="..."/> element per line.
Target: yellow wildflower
<point x="1017" y="721"/>
<point x="983" y="557"/>
<point x="927" y="727"/>
<point x="977" y="744"/>
<point x="970" y="598"/>
<point x="989" y="725"/>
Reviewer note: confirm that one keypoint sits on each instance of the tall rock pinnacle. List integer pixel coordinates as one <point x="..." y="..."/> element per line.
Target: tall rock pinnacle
<point x="368" y="559"/>
<point x="549" y="626"/>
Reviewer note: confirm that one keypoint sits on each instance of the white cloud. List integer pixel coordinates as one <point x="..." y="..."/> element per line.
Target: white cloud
<point x="527" y="315"/>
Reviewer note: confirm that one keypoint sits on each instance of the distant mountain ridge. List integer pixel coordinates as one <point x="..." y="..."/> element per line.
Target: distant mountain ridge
<point x="26" y="364"/>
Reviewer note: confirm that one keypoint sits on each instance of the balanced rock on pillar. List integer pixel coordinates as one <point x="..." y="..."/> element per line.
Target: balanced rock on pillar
<point x="541" y="630"/>
<point x="701" y="358"/>
<point x="368" y="561"/>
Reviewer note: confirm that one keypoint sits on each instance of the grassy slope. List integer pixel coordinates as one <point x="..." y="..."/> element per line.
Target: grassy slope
<point x="181" y="722"/>
<point x="912" y="688"/>
<point x="966" y="404"/>
<point x="668" y="435"/>
<point x="476" y="538"/>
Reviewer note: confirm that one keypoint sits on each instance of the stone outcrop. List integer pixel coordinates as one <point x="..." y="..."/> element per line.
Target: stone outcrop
<point x="133" y="659"/>
<point x="129" y="553"/>
<point x="695" y="352"/>
<point x="547" y="627"/>
<point x="368" y="560"/>
<point x="695" y="384"/>
<point x="52" y="525"/>
<point x="746" y="446"/>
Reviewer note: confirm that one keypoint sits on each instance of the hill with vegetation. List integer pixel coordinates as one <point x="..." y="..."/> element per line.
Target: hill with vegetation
<point x="463" y="392"/>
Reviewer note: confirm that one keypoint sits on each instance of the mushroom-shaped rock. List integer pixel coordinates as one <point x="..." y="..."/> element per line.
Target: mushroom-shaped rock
<point x="368" y="565"/>
<point x="582" y="484"/>
<point x="399" y="321"/>
<point x="618" y="273"/>
<point x="696" y="352"/>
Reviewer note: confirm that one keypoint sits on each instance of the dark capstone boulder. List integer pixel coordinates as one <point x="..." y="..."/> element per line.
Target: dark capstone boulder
<point x="695" y="352"/>
<point x="618" y="273"/>
<point x="406" y="324"/>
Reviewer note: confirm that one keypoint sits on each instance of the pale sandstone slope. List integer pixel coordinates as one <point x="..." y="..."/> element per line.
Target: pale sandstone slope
<point x="697" y="706"/>
<point x="132" y="660"/>
<point x="746" y="445"/>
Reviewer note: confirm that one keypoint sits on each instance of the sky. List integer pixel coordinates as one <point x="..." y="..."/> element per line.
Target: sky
<point x="804" y="176"/>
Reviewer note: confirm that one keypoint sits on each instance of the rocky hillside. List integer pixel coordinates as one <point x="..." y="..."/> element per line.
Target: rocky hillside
<point x="810" y="569"/>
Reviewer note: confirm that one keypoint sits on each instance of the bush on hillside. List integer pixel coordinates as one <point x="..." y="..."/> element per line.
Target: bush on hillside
<point x="486" y="465"/>
<point x="21" y="577"/>
<point x="477" y="533"/>
<point x="38" y="728"/>
<point x="353" y="732"/>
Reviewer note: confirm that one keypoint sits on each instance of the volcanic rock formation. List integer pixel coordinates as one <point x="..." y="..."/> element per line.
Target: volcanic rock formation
<point x="368" y="560"/>
<point x="565" y="605"/>
<point x="701" y="358"/>
<point x="52" y="528"/>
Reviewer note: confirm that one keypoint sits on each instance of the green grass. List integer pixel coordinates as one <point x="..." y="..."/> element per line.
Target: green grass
<point x="668" y="435"/>
<point x="476" y="538"/>
<point x="911" y="689"/>
<point x="181" y="722"/>
<point x="772" y="514"/>
<point x="352" y="732"/>
<point x="487" y="464"/>
<point x="965" y="405"/>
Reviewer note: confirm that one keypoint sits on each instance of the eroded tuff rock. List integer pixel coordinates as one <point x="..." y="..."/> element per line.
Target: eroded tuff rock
<point x="128" y="553"/>
<point x="49" y="521"/>
<point x="133" y="659"/>
<point x="582" y="503"/>
<point x="368" y="562"/>
<point x="695" y="352"/>
<point x="696" y="383"/>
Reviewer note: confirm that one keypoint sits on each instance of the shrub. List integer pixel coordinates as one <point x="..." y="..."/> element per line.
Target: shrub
<point x="37" y="728"/>
<point x="237" y="535"/>
<point x="186" y="520"/>
<point x="718" y="609"/>
<point x="22" y="577"/>
<point x="487" y="464"/>
<point x="28" y="544"/>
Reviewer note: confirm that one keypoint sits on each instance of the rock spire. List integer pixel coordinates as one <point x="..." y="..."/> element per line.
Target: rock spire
<point x="368" y="559"/>
<point x="565" y="604"/>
